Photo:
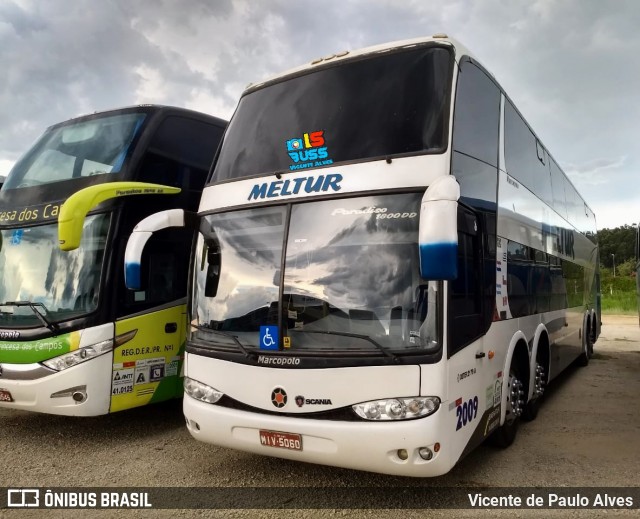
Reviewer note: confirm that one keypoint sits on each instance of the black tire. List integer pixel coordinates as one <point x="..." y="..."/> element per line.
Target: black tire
<point x="533" y="406"/>
<point x="505" y="435"/>
<point x="531" y="410"/>
<point x="592" y="338"/>
<point x="587" y="347"/>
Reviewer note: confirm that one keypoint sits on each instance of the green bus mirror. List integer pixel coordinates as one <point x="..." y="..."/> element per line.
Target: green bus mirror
<point x="76" y="207"/>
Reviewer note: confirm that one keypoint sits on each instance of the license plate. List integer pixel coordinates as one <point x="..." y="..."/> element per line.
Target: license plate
<point x="281" y="440"/>
<point x="5" y="396"/>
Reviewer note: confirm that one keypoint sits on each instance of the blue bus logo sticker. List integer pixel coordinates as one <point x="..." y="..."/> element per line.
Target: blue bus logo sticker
<point x="308" y="151"/>
<point x="16" y="237"/>
<point x="268" y="337"/>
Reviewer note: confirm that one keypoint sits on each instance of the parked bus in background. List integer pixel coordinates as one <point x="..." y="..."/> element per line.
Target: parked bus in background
<point x="390" y="266"/>
<point x="73" y="340"/>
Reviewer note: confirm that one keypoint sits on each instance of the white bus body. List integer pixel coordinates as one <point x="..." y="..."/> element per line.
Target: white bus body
<point x="316" y="333"/>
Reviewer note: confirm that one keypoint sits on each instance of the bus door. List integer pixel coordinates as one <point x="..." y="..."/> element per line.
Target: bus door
<point x="475" y="379"/>
<point x="147" y="368"/>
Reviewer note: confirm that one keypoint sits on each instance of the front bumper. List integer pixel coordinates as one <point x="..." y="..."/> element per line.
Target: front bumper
<point x="32" y="386"/>
<point x="361" y="445"/>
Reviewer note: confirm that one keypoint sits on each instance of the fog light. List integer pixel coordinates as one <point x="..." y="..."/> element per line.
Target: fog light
<point x="79" y="396"/>
<point x="425" y="453"/>
<point x="403" y="454"/>
<point x="77" y="393"/>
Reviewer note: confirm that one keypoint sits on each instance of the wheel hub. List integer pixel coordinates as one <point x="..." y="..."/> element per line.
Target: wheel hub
<point x="540" y="381"/>
<point x="515" y="398"/>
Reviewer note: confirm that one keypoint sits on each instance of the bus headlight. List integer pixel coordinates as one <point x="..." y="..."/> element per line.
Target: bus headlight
<point x="201" y="391"/>
<point x="398" y="408"/>
<point x="79" y="356"/>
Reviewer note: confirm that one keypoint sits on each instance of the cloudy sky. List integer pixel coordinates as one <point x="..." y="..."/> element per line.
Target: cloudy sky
<point x="571" y="66"/>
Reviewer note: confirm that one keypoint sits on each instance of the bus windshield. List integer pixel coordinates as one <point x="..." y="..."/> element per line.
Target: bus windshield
<point x="91" y="147"/>
<point x="35" y="270"/>
<point x="350" y="280"/>
<point x="378" y="106"/>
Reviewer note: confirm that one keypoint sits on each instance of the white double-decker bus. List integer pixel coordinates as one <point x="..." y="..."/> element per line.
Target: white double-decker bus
<point x="390" y="266"/>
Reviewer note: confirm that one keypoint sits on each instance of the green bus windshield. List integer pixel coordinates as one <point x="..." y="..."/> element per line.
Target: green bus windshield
<point x="36" y="270"/>
<point x="90" y="147"/>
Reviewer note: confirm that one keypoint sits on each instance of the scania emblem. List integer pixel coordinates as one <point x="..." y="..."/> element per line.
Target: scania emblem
<point x="299" y="401"/>
<point x="279" y="397"/>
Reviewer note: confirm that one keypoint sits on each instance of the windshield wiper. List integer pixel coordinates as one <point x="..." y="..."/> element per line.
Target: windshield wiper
<point x="225" y="334"/>
<point x="42" y="318"/>
<point x="384" y="350"/>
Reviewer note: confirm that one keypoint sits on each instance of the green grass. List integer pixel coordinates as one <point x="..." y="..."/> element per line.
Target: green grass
<point x="620" y="302"/>
<point x="618" y="311"/>
<point x="618" y="294"/>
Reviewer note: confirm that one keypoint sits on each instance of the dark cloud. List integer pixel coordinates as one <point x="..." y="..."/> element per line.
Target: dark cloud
<point x="569" y="66"/>
<point x="75" y="59"/>
<point x="19" y="20"/>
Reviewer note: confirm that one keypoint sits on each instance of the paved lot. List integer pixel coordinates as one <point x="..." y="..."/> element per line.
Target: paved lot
<point x="587" y="435"/>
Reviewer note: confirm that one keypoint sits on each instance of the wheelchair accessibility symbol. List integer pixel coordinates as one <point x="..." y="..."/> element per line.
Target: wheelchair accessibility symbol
<point x="268" y="337"/>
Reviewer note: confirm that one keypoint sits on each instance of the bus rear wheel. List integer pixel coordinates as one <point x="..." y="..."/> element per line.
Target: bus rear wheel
<point x="587" y="346"/>
<point x="530" y="411"/>
<point x="506" y="433"/>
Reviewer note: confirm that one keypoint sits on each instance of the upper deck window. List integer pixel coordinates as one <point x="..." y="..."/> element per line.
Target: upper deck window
<point x="385" y="104"/>
<point x="89" y="147"/>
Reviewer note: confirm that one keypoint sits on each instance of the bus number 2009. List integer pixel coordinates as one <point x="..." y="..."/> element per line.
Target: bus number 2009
<point x="466" y="412"/>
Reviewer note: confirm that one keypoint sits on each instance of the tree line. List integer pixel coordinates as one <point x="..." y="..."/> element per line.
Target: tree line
<point x="619" y="247"/>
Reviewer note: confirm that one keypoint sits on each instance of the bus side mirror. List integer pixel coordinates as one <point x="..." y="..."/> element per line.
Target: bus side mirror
<point x="213" y="271"/>
<point x="141" y="234"/>
<point x="75" y="208"/>
<point x="438" y="231"/>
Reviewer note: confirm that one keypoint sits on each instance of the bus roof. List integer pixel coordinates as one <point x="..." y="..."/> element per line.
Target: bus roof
<point x="439" y="38"/>
<point x="347" y="55"/>
<point x="142" y="107"/>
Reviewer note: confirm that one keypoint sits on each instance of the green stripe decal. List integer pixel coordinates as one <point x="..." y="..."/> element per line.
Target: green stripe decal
<point x="28" y="352"/>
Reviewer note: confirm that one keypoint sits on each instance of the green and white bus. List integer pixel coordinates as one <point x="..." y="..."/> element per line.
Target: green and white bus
<point x="73" y="340"/>
<point x="390" y="266"/>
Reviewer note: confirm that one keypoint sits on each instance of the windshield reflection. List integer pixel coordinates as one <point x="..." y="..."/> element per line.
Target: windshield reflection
<point x="250" y="248"/>
<point x="93" y="147"/>
<point x="332" y="105"/>
<point x="350" y="280"/>
<point x="35" y="269"/>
